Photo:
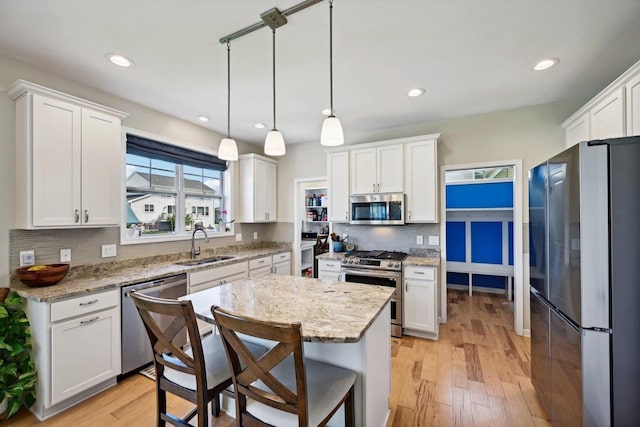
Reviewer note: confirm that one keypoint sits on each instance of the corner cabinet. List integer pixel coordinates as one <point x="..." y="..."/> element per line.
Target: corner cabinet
<point x="612" y="113"/>
<point x="69" y="160"/>
<point x="420" y="305"/>
<point x="78" y="351"/>
<point x="258" y="189"/>
<point x="421" y="180"/>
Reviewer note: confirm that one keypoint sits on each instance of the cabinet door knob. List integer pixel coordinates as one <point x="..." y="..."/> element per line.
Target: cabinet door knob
<point x="77" y="215"/>
<point x="86" y="215"/>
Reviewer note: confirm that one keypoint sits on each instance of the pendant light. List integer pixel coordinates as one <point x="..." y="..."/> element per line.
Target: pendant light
<point x="228" y="150"/>
<point x="331" y="134"/>
<point x="274" y="142"/>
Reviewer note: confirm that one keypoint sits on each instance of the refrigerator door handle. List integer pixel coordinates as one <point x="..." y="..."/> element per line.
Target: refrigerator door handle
<point x="597" y="329"/>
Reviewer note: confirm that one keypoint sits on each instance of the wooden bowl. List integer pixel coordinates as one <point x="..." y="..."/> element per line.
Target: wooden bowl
<point x="50" y="275"/>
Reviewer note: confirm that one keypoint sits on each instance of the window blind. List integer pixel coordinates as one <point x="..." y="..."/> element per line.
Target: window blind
<point x="160" y="151"/>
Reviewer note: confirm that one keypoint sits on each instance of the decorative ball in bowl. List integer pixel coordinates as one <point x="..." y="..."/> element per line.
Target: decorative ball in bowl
<point x="42" y="275"/>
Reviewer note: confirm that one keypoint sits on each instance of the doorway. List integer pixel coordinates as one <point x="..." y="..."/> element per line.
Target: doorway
<point x="487" y="219"/>
<point x="309" y="216"/>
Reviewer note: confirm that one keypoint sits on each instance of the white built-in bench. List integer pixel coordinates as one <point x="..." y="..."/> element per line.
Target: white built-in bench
<point x="486" y="269"/>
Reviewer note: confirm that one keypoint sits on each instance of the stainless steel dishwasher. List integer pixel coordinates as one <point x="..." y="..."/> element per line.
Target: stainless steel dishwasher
<point x="136" y="348"/>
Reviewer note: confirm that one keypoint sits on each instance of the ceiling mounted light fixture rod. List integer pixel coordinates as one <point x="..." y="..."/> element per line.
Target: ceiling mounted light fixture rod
<point x="287" y="12"/>
<point x="331" y="134"/>
<point x="274" y="141"/>
<point x="228" y="149"/>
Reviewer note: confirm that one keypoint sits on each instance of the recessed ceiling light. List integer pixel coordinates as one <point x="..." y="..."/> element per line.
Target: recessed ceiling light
<point x="415" y="92"/>
<point x="119" y="60"/>
<point x="545" y="64"/>
<point x="259" y="126"/>
<point x="203" y="118"/>
<point x="326" y="111"/>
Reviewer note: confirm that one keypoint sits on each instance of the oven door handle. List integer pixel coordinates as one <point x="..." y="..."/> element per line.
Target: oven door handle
<point x="369" y="273"/>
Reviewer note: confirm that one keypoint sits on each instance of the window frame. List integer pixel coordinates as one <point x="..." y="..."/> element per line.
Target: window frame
<point x="180" y="233"/>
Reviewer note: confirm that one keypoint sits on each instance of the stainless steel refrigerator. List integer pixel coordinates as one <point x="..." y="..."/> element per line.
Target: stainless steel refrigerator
<point x="584" y="218"/>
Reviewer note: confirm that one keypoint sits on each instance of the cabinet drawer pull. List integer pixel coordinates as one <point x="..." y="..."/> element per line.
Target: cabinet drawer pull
<point x="261" y="262"/>
<point x="86" y="322"/>
<point x="346" y="215"/>
<point x="86" y="215"/>
<point x="409" y="214"/>
<point x="330" y="265"/>
<point x="419" y="272"/>
<point x="374" y="188"/>
<point x="77" y="215"/>
<point x="406" y="286"/>
<point x="83" y="304"/>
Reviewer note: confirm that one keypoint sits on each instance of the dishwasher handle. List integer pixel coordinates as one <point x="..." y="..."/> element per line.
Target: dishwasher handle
<point x="149" y="288"/>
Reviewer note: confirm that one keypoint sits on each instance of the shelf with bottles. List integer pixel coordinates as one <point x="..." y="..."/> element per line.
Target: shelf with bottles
<point x="315" y="197"/>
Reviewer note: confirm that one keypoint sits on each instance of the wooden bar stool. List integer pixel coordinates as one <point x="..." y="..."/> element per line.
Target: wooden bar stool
<point x="282" y="388"/>
<point x="199" y="374"/>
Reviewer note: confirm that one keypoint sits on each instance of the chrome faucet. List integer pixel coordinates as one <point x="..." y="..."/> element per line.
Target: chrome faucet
<point x="195" y="253"/>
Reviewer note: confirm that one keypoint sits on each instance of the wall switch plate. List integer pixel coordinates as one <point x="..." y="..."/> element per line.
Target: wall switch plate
<point x="27" y="258"/>
<point x="419" y="240"/>
<point x="434" y="240"/>
<point x="108" y="251"/>
<point x="239" y="237"/>
<point x="255" y="235"/>
<point x="65" y="255"/>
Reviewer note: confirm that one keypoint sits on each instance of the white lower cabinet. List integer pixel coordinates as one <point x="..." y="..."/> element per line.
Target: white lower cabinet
<point x="260" y="267"/>
<point x="282" y="263"/>
<point x="216" y="276"/>
<point x="84" y="352"/>
<point x="419" y="302"/>
<point x="329" y="270"/>
<point x="76" y="348"/>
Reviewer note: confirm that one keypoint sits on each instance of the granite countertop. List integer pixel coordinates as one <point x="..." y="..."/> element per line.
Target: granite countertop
<point x="421" y="261"/>
<point x="330" y="312"/>
<point x="101" y="277"/>
<point x="336" y="256"/>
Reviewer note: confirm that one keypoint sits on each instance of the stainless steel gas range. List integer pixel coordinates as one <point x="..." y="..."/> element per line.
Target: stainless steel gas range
<point x="378" y="268"/>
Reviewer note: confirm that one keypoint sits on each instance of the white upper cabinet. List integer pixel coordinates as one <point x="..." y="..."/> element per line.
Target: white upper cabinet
<point x="578" y="131"/>
<point x="377" y="170"/>
<point x="607" y="117"/>
<point x="258" y="189"/>
<point x="338" y="173"/>
<point x="613" y="113"/>
<point x="101" y="168"/>
<point x="421" y="181"/>
<point x="69" y="160"/>
<point x="632" y="93"/>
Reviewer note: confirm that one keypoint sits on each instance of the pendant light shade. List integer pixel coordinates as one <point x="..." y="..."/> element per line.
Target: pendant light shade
<point x="228" y="150"/>
<point x="331" y="134"/>
<point x="274" y="142"/>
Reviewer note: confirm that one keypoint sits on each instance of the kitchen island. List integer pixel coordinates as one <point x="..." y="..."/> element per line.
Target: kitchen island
<point x="344" y="324"/>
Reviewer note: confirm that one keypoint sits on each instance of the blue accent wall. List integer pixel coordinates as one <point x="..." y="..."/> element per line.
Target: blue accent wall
<point x="486" y="242"/>
<point x="474" y="196"/>
<point x="456" y="241"/>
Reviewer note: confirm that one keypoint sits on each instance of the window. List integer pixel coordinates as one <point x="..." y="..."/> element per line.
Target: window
<point x="170" y="190"/>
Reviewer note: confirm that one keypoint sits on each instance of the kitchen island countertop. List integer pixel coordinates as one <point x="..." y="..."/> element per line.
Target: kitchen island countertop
<point x="330" y="312"/>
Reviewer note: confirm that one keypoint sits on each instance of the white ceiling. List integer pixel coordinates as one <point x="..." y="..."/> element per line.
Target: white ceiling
<point x="471" y="56"/>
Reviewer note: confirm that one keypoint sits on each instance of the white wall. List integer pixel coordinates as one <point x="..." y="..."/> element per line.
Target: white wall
<point x="141" y="118"/>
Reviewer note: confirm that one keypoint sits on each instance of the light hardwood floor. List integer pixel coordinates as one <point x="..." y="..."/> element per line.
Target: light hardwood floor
<point x="476" y="374"/>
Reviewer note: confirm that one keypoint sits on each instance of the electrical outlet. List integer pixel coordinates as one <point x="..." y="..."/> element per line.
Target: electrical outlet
<point x="239" y="237"/>
<point x="255" y="235"/>
<point x="27" y="258"/>
<point x="434" y="240"/>
<point x="419" y="240"/>
<point x="65" y="255"/>
<point x="108" y="251"/>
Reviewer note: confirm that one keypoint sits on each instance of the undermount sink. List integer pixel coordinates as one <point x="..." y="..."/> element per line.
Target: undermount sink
<point x="192" y="262"/>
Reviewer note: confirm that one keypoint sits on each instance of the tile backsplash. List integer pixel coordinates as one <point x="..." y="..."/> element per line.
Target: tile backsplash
<point x="85" y="244"/>
<point x="388" y="237"/>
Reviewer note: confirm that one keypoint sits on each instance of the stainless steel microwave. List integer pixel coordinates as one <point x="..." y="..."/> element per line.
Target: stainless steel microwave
<point x="377" y="209"/>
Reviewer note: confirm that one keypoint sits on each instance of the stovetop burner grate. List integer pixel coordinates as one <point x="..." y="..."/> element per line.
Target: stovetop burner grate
<point x="382" y="255"/>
